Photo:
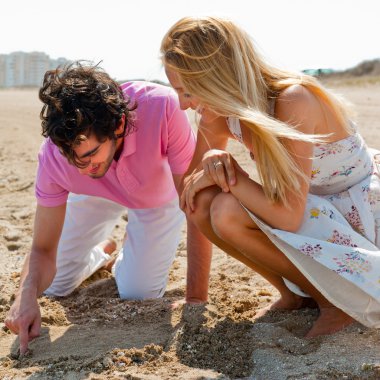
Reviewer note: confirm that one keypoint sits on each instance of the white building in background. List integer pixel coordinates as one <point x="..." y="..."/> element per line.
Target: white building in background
<point x="26" y="69"/>
<point x="2" y="69"/>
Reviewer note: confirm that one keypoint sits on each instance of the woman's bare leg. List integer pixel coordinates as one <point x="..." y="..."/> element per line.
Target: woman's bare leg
<point x="232" y="224"/>
<point x="201" y="218"/>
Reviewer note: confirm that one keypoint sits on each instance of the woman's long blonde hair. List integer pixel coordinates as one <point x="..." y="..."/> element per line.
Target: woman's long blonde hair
<point x="217" y="62"/>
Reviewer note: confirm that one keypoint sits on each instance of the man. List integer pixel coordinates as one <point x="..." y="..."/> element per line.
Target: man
<point x="108" y="148"/>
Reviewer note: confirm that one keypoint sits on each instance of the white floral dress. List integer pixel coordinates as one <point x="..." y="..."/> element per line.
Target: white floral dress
<point x="337" y="247"/>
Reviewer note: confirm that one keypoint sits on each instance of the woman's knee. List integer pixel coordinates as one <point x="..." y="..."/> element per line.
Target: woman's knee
<point x="201" y="213"/>
<point x="225" y="210"/>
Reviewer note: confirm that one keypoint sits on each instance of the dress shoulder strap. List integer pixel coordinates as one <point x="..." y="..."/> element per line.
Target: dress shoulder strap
<point x="235" y="128"/>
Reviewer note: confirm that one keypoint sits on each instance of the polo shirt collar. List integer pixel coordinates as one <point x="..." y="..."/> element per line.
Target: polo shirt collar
<point x="129" y="147"/>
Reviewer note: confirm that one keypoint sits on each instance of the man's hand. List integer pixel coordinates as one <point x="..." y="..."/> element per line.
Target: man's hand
<point x="24" y="317"/>
<point x="24" y="320"/>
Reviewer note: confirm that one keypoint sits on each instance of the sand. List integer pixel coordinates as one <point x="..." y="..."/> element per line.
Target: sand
<point x="92" y="334"/>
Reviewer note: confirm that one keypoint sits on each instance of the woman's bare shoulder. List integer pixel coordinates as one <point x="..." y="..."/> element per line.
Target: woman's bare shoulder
<point x="297" y="105"/>
<point x="296" y="95"/>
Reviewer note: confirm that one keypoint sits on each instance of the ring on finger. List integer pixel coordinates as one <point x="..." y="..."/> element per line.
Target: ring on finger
<point x="216" y="164"/>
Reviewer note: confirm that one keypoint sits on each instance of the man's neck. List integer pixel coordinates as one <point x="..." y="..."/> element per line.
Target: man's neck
<point x="119" y="148"/>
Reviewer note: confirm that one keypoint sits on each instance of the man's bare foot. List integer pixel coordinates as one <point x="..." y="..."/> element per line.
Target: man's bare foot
<point x="294" y="302"/>
<point x="330" y="321"/>
<point x="108" y="246"/>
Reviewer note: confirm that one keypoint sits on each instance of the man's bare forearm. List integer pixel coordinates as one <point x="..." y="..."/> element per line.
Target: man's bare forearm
<point x="37" y="273"/>
<point x="40" y="265"/>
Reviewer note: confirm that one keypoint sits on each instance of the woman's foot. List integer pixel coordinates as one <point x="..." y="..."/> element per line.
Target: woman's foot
<point x="330" y="320"/>
<point x="109" y="246"/>
<point x="294" y="302"/>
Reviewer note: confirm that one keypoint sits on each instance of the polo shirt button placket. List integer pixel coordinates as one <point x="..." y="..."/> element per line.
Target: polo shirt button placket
<point x="127" y="180"/>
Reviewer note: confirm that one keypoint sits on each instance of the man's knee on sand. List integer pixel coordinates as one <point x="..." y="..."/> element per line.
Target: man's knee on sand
<point x="62" y="288"/>
<point x="140" y="293"/>
<point x="130" y="290"/>
<point x="140" y="288"/>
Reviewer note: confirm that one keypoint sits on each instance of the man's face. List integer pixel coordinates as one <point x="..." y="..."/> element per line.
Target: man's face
<point x="97" y="155"/>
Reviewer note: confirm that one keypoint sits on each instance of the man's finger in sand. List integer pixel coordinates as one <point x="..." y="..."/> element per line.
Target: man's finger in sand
<point x="34" y="330"/>
<point x="24" y="339"/>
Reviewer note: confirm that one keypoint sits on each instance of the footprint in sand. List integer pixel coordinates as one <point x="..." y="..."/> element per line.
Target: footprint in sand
<point x="13" y="247"/>
<point x="12" y="236"/>
<point x="21" y="215"/>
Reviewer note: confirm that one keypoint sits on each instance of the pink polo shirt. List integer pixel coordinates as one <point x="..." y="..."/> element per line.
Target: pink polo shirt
<point x="162" y="144"/>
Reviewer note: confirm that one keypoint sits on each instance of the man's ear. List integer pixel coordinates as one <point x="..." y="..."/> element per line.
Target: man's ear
<point x="121" y="127"/>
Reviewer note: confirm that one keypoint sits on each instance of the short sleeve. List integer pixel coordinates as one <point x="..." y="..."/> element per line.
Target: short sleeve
<point x="47" y="191"/>
<point x="181" y="138"/>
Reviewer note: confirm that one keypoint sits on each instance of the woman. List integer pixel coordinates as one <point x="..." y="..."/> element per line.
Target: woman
<point x="311" y="226"/>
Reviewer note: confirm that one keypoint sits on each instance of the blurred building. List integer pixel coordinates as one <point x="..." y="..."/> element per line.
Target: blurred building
<point x="26" y="69"/>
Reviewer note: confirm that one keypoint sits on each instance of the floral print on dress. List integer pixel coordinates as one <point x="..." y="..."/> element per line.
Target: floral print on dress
<point x="311" y="250"/>
<point x="328" y="212"/>
<point x="345" y="171"/>
<point x="314" y="213"/>
<point x="315" y="172"/>
<point x="353" y="218"/>
<point x="354" y="146"/>
<point x="371" y="197"/>
<point x="329" y="149"/>
<point x="365" y="188"/>
<point x="350" y="144"/>
<point x="335" y="197"/>
<point x="341" y="239"/>
<point x="353" y="263"/>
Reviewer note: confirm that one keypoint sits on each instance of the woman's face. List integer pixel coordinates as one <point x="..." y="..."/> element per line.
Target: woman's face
<point x="188" y="100"/>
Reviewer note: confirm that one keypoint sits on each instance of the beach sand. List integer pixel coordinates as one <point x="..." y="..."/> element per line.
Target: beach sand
<point x="92" y="334"/>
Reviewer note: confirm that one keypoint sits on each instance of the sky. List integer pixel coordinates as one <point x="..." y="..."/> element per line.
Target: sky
<point x="126" y="35"/>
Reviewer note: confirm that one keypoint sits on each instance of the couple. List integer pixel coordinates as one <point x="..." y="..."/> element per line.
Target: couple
<point x="311" y="227"/>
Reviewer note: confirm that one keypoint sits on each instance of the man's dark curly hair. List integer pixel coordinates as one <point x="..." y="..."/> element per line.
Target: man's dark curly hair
<point x="81" y="99"/>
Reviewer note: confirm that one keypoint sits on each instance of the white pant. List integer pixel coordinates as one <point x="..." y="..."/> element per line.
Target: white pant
<point x="141" y="269"/>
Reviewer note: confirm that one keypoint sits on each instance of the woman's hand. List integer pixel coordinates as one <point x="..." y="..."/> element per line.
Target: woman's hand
<point x="217" y="164"/>
<point x="221" y="167"/>
<point x="194" y="183"/>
